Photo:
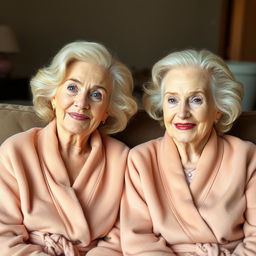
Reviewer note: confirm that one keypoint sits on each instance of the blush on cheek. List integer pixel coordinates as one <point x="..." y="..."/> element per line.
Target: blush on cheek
<point x="65" y="100"/>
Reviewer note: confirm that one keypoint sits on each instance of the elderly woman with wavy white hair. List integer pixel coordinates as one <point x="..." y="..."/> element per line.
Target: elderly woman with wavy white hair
<point x="61" y="185"/>
<point x="192" y="191"/>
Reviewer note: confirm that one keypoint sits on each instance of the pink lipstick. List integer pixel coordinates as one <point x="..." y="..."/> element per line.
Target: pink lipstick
<point x="184" y="126"/>
<point x="79" y="117"/>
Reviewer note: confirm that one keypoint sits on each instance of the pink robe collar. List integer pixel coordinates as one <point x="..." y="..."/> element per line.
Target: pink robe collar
<point x="185" y="201"/>
<point x="63" y="194"/>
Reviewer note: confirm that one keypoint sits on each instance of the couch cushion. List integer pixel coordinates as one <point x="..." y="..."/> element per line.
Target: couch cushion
<point x="17" y="118"/>
<point x="141" y="128"/>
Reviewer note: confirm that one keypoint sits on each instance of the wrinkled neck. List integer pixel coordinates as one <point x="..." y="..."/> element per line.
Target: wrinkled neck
<point x="190" y="152"/>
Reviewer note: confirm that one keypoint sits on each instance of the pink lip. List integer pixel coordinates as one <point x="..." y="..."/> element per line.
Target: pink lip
<point x="79" y="117"/>
<point x="185" y="126"/>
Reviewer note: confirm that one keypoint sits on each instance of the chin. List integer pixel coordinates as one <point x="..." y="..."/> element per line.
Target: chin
<point x="182" y="136"/>
<point x="79" y="130"/>
<point x="184" y="139"/>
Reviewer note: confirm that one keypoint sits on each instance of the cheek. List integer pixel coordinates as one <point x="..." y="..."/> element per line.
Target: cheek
<point x="202" y="113"/>
<point x="63" y="101"/>
<point x="168" y="109"/>
<point x="206" y="119"/>
<point x="168" y="116"/>
<point x="165" y="109"/>
<point x="100" y="109"/>
<point x="203" y="116"/>
<point x="62" y="104"/>
<point x="66" y="102"/>
<point x="165" y="114"/>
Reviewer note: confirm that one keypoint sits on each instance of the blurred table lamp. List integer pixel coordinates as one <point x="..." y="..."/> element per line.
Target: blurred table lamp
<point x="8" y="46"/>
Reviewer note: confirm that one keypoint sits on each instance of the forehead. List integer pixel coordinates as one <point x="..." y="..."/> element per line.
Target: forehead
<point x="87" y="72"/>
<point x="186" y="79"/>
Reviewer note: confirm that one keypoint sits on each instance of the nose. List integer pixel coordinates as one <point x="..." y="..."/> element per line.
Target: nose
<point x="183" y="111"/>
<point x="82" y="102"/>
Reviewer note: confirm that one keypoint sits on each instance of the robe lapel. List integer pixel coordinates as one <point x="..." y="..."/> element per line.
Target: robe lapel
<point x="207" y="168"/>
<point x="89" y="177"/>
<point x="181" y="200"/>
<point x="57" y="181"/>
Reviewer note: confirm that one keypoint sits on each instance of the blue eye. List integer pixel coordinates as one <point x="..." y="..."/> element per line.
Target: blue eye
<point x="72" y="88"/>
<point x="172" y="100"/>
<point x="197" y="100"/>
<point x="96" y="96"/>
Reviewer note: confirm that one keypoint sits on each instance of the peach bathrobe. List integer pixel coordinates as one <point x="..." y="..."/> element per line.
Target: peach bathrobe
<point x="216" y="215"/>
<point x="41" y="213"/>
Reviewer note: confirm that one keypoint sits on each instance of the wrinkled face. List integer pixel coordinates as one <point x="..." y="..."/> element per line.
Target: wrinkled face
<point x="188" y="105"/>
<point x="82" y="99"/>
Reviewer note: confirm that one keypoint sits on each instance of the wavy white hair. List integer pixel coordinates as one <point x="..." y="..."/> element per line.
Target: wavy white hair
<point x="122" y="104"/>
<point x="227" y="92"/>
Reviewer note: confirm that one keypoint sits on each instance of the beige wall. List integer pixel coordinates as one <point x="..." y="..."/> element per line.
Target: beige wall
<point x="138" y="31"/>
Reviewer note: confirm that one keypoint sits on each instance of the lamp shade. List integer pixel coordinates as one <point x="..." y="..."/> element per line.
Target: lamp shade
<point x="8" y="42"/>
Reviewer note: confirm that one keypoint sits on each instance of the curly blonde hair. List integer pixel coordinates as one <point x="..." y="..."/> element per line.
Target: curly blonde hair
<point x="227" y="92"/>
<point x="122" y="104"/>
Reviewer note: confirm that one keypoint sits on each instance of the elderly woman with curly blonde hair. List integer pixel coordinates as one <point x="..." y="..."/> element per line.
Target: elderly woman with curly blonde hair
<point x="61" y="185"/>
<point x="192" y="191"/>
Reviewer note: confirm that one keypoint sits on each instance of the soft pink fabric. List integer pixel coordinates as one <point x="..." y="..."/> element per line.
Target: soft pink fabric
<point x="159" y="210"/>
<point x="56" y="244"/>
<point x="206" y="249"/>
<point x="36" y="195"/>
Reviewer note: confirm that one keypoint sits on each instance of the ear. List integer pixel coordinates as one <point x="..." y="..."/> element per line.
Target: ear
<point x="218" y="116"/>
<point x="105" y="116"/>
<point x="53" y="102"/>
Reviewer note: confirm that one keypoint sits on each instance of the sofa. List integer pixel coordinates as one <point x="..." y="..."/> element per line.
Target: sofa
<point x="141" y="128"/>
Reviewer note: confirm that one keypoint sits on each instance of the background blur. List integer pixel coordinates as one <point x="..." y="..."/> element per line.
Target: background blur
<point x="138" y="32"/>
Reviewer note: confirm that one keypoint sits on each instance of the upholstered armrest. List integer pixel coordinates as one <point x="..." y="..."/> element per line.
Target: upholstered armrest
<point x="17" y="118"/>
